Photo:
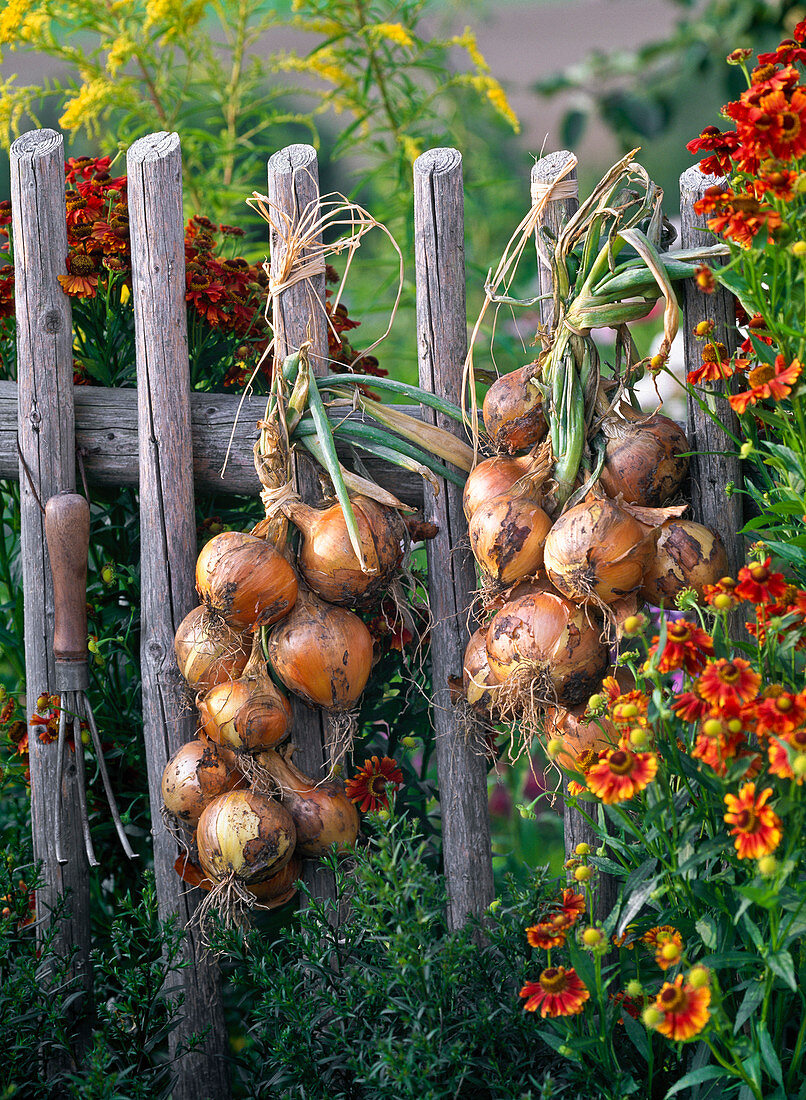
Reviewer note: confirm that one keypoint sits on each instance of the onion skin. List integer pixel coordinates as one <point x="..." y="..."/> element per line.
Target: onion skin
<point x="208" y="657"/>
<point x="554" y="635"/>
<point x="492" y="477"/>
<point x="323" y="814"/>
<point x="513" y="411"/>
<point x="322" y="653"/>
<point x="248" y="715"/>
<point x="597" y="551"/>
<point x="478" y="679"/>
<point x="507" y="535"/>
<point x="193" y="777"/>
<point x="280" y="888"/>
<point x="326" y="557"/>
<point x="687" y="555"/>
<point x="244" y="834"/>
<point x="579" y="735"/>
<point x="243" y="580"/>
<point x="644" y="461"/>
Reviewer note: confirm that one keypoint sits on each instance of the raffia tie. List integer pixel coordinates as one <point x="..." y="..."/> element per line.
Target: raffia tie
<point x="556" y="189"/>
<point x="301" y="269"/>
<point x="274" y="500"/>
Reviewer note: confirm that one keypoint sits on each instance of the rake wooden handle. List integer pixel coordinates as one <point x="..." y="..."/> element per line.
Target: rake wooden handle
<point x="67" y="530"/>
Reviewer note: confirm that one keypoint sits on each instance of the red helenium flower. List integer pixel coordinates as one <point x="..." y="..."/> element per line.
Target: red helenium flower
<point x="557" y="992"/>
<point x="722" y="682"/>
<point x="687" y="646"/>
<point x="756" y="828"/>
<point x="684" y="1008"/>
<point x="759" y="585"/>
<point x="621" y="775"/>
<point x="368" y="787"/>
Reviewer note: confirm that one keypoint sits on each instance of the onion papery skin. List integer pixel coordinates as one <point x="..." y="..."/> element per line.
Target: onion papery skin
<point x="249" y="715"/>
<point x="326" y="558"/>
<point x="245" y="835"/>
<point x="644" y="461"/>
<point x="322" y="653"/>
<point x="597" y="551"/>
<point x="492" y="477"/>
<point x="229" y="757"/>
<point x="513" y="411"/>
<point x="243" y="580"/>
<point x="322" y="812"/>
<point x="578" y="734"/>
<point x="478" y="679"/>
<point x="507" y="535"/>
<point x="193" y="777"/>
<point x="209" y="654"/>
<point x="280" y="888"/>
<point x="560" y="640"/>
<point x="687" y="555"/>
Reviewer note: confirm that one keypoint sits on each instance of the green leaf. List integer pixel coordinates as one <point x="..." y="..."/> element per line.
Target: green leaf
<point x="769" y="1057"/>
<point x="696" y="1077"/>
<point x="781" y="963"/>
<point x="573" y="127"/>
<point x="753" y="997"/>
<point x="633" y="906"/>
<point x="637" y="1034"/>
<point x="706" y="930"/>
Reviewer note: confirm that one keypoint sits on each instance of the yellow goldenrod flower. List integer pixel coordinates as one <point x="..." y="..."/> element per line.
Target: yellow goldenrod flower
<point x="391" y="32"/>
<point x="120" y="50"/>
<point x="86" y="105"/>
<point x="490" y="87"/>
<point x="326" y="64"/>
<point x="34" y="26"/>
<point x="467" y="40"/>
<point x="410" y="147"/>
<point x="11" y="20"/>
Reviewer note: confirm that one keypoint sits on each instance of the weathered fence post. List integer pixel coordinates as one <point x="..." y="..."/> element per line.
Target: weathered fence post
<point x="46" y="437"/>
<point x="717" y="465"/>
<point x="168" y="545"/>
<point x="556" y="214"/>
<point x="299" y="315"/>
<point x="439" y="253"/>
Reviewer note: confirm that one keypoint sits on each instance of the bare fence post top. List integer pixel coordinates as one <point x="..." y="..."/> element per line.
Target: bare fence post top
<point x="443" y="159"/>
<point x="291" y="158"/>
<point x="36" y="143"/>
<point x="694" y="179"/>
<point x="550" y="166"/>
<point x="153" y="147"/>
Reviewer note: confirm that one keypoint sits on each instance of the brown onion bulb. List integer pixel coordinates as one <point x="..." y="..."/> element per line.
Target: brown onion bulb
<point x="555" y="639"/>
<point x="206" y="656"/>
<point x="322" y="653"/>
<point x="513" y="411"/>
<point x="322" y="812"/>
<point x="478" y="679"/>
<point x="645" y="461"/>
<point x="244" y="580"/>
<point x="248" y="715"/>
<point x="579" y="734"/>
<point x="492" y="477"/>
<point x="244" y="834"/>
<point x="326" y="557"/>
<point x="507" y="535"/>
<point x="280" y="888"/>
<point x="597" y="551"/>
<point x="194" y="776"/>
<point x="687" y="555"/>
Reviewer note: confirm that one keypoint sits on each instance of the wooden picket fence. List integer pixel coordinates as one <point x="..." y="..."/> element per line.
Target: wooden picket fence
<point x="168" y="441"/>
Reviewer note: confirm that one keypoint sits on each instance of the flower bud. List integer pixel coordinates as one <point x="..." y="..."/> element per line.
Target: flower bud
<point x="571" y="863"/>
<point x="583" y="849"/>
<point x="554" y="747"/>
<point x="632" y="624"/>
<point x="767" y="866"/>
<point x="409" y="742"/>
<point x="670" y="952"/>
<point x="712" y="727"/>
<point x="704" y="328"/>
<point x="699" y="976"/>
<point x="652" y="1016"/>
<point x="799" y="765"/>
<point x="798" y="248"/>
<point x="635" y="989"/>
<point x="592" y="937"/>
<point x="596" y="702"/>
<point x="735" y="725"/>
<point x="583" y="874"/>
<point x="629" y="710"/>
<point x="638" y="738"/>
<point x="746" y="450"/>
<point x="722" y="602"/>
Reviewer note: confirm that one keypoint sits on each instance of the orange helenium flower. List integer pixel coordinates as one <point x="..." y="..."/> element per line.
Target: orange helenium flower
<point x="756" y="828"/>
<point x="778" y="711"/>
<point x="684" y="1008"/>
<point x="573" y="905"/>
<point x="557" y="992"/>
<point x="621" y="775"/>
<point x="687" y="646"/>
<point x="759" y="585"/>
<point x="660" y="934"/>
<point x="550" y="932"/>
<point x="779" y="749"/>
<point x="722" y="682"/>
<point x="767" y="381"/>
<point x="368" y="787"/>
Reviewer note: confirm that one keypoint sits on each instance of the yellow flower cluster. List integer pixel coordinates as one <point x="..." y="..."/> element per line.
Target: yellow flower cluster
<point x="11" y="21"/>
<point x="15" y="104"/>
<point x="390" y="32"/>
<point x="467" y="40"/>
<point x="120" y="50"/>
<point x="410" y="147"/>
<point x="86" y="105"/>
<point x="178" y="17"/>
<point x="490" y="87"/>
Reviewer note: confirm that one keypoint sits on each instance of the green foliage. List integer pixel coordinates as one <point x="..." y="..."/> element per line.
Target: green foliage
<point x="128" y="1020"/>
<point x="390" y="1004"/>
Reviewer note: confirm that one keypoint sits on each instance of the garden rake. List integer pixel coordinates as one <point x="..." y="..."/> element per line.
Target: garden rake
<point x="67" y="530"/>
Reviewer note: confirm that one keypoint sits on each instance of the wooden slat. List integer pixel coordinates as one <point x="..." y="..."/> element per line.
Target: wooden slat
<point x="106" y="435"/>
<point x="717" y="465"/>
<point x="168" y="552"/>
<point x="442" y="345"/>
<point x="555" y="215"/>
<point x="293" y="178"/>
<point x="46" y="439"/>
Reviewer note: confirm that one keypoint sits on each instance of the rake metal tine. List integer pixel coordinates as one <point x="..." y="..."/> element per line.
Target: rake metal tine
<point x="60" y="856"/>
<point x="82" y="786"/>
<point x="110" y="797"/>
